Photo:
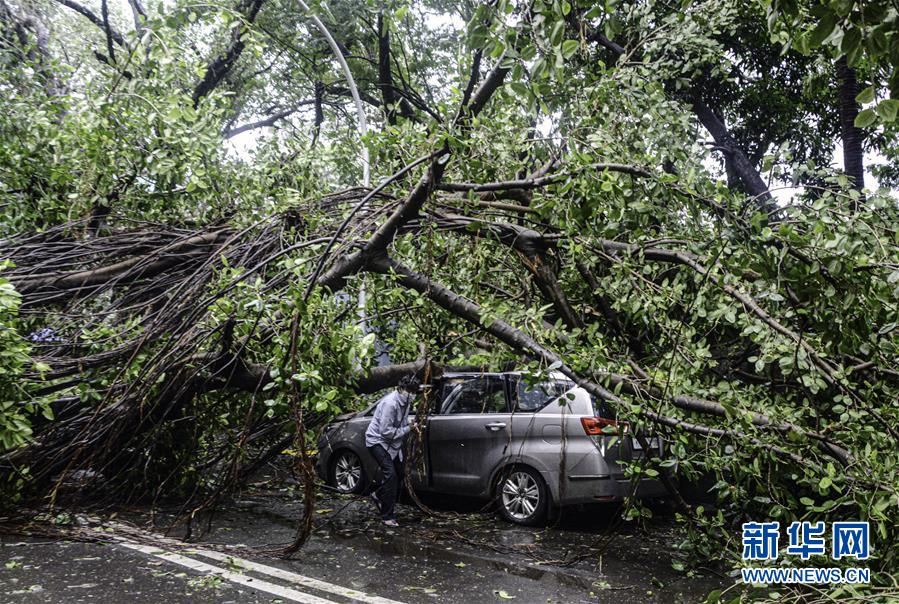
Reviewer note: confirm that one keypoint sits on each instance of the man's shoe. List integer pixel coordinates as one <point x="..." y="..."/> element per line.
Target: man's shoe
<point x="376" y="499"/>
<point x="391" y="523"/>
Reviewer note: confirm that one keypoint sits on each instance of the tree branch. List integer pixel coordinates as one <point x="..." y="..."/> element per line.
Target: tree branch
<point x="385" y="77"/>
<point x="93" y="18"/>
<point x="541" y="181"/>
<point x="268" y="121"/>
<point x="735" y="157"/>
<point x="57" y="287"/>
<point x="219" y="67"/>
<point x="518" y="340"/>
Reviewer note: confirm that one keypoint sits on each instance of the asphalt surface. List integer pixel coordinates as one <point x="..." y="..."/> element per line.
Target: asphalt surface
<point x="458" y="556"/>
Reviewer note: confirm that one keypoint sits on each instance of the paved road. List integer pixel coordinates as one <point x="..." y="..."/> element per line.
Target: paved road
<point x="453" y="559"/>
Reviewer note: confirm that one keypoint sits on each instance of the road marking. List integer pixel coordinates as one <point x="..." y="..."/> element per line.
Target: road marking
<point x="284" y="575"/>
<point x="282" y="592"/>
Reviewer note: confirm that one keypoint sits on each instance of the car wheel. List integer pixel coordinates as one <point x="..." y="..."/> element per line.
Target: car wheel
<point x="523" y="496"/>
<point x="347" y="473"/>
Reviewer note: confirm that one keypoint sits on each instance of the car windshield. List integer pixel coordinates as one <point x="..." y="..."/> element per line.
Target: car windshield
<point x="536" y="395"/>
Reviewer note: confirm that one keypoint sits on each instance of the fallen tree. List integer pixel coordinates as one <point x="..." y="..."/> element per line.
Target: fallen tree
<point x="177" y="316"/>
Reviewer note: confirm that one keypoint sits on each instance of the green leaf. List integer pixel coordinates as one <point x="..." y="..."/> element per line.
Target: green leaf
<point x="852" y="39"/>
<point x="865" y="118"/>
<point x="866" y="95"/>
<point x="504" y="595"/>
<point x="888" y="109"/>
<point x="539" y="69"/>
<point x="519" y="88"/>
<point x="823" y="30"/>
<point x="558" y="30"/>
<point x="569" y="47"/>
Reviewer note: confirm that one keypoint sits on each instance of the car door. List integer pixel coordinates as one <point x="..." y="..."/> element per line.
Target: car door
<point x="469" y="433"/>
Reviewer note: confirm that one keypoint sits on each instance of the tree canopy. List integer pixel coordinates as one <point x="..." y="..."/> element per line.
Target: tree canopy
<point x="642" y="195"/>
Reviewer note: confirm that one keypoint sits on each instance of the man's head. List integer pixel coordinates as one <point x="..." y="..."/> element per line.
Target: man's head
<point x="409" y="384"/>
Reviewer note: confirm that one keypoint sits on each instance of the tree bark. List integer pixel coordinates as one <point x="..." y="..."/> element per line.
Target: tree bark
<point x="853" y="153"/>
<point x="58" y="287"/>
<point x="221" y="66"/>
<point x="735" y="159"/>
<point x="385" y="77"/>
<point x="93" y="18"/>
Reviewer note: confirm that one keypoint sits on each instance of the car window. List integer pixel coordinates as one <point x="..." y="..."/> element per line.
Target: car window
<point x="535" y="396"/>
<point x="484" y="394"/>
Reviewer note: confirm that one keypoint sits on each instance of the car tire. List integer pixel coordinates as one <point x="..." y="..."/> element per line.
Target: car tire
<point x="347" y="473"/>
<point x="522" y="496"/>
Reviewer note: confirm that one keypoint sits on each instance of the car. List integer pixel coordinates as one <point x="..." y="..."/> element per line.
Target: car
<point x="532" y="445"/>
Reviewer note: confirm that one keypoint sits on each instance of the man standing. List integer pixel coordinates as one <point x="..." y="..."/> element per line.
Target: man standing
<point x="384" y="440"/>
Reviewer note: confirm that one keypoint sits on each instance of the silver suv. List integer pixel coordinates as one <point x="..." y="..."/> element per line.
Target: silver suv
<point x="531" y="446"/>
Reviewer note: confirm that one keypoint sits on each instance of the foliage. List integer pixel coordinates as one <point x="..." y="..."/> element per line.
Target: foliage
<point x="15" y="427"/>
<point x="578" y="219"/>
<point x="867" y="33"/>
<point x="18" y="406"/>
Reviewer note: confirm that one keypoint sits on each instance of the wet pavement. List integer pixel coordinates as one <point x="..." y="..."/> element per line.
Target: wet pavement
<point x="459" y="555"/>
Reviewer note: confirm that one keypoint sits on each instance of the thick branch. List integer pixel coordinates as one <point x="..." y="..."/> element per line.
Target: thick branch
<point x="385" y="77"/>
<point x="515" y="338"/>
<point x="93" y="18"/>
<point x="491" y="83"/>
<point x="738" y="161"/>
<point x="107" y="28"/>
<point x="542" y="181"/>
<point x="268" y="121"/>
<point x="409" y="209"/>
<point x="219" y="67"/>
<point x="65" y="285"/>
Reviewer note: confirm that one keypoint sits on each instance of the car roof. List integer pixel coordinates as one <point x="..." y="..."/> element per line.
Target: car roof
<point x="555" y="375"/>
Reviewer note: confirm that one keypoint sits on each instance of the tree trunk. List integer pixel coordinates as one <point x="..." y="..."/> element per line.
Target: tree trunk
<point x="853" y="154"/>
<point x="385" y="78"/>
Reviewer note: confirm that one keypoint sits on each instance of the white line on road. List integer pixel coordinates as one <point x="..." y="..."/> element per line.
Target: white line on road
<point x="282" y="592"/>
<point x="284" y="575"/>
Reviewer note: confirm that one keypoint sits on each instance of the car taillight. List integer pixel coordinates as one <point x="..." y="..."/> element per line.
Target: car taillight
<point x="594" y="426"/>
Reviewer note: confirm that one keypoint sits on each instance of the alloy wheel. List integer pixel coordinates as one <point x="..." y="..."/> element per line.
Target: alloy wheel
<point x="347" y="472"/>
<point x="521" y="495"/>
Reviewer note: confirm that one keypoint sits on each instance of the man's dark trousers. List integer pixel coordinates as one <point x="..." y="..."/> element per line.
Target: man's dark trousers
<point x="391" y="477"/>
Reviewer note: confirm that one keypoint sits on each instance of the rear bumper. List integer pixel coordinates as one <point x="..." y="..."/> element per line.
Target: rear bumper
<point x="594" y="489"/>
